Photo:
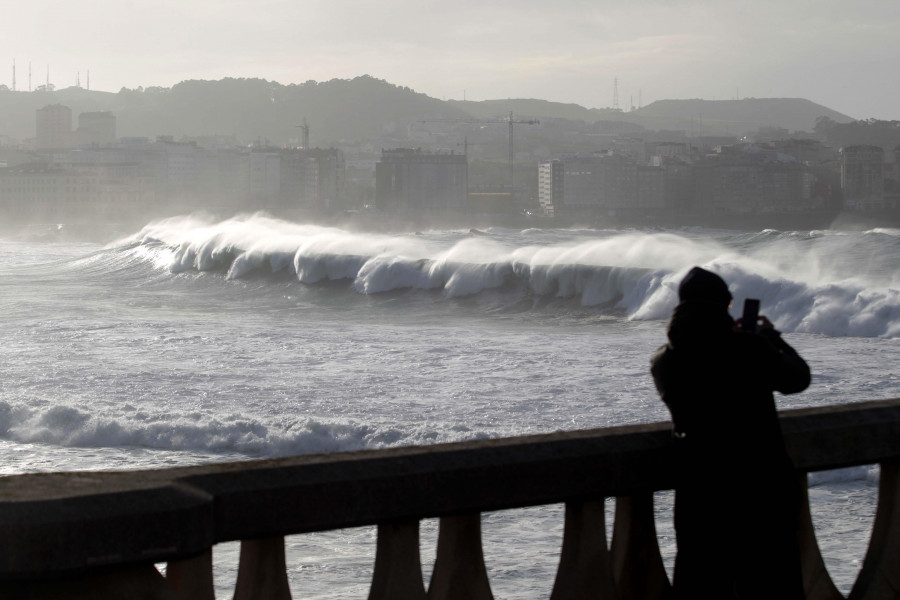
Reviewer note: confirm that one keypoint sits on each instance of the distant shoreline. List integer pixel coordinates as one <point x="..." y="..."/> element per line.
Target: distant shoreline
<point x="378" y="222"/>
<point x="785" y="221"/>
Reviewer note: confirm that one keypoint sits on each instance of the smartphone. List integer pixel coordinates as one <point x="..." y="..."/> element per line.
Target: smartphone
<point x="751" y="314"/>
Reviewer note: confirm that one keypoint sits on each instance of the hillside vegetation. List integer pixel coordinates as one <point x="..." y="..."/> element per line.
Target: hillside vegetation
<point x="734" y="117"/>
<point x="346" y="111"/>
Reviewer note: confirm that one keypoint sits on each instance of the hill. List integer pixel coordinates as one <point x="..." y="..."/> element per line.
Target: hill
<point x="348" y="111"/>
<point x="707" y="117"/>
<point x="487" y="109"/>
<point x="340" y="110"/>
<point x="733" y="117"/>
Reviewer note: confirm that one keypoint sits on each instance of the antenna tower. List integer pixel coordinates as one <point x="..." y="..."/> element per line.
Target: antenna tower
<point x="29" y="75"/>
<point x="89" y="80"/>
<point x="14" y="74"/>
<point x="616" y="93"/>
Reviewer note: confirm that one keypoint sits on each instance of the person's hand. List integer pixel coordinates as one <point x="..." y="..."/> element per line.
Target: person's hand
<point x="763" y="324"/>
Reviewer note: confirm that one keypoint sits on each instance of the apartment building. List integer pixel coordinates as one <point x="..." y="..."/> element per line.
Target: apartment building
<point x="411" y="180"/>
<point x="551" y="185"/>
<point x="53" y="127"/>
<point x="862" y="177"/>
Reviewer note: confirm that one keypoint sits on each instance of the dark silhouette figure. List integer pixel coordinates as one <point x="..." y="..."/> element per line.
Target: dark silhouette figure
<point x="737" y="495"/>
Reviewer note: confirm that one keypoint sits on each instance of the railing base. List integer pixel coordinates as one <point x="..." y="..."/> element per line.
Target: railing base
<point x="134" y="583"/>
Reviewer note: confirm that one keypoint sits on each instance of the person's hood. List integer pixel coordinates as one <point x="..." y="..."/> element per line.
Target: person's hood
<point x="700" y="285"/>
<point x="698" y="324"/>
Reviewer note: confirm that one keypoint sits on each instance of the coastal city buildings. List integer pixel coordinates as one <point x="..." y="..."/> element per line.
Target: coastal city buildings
<point x="44" y="193"/>
<point x="63" y="174"/>
<point x="88" y="173"/>
<point x="729" y="179"/>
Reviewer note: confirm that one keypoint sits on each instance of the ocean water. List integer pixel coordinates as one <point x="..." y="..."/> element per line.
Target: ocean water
<point x="194" y="340"/>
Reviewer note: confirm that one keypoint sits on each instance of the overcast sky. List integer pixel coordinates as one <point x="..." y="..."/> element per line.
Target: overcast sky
<point x="842" y="54"/>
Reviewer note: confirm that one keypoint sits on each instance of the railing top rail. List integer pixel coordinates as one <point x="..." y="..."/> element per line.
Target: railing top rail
<point x="70" y="521"/>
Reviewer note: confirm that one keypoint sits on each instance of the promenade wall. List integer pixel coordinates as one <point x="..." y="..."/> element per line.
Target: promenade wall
<point x="99" y="534"/>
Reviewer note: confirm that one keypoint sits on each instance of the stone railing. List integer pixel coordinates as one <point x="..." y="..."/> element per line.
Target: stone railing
<point x="98" y="535"/>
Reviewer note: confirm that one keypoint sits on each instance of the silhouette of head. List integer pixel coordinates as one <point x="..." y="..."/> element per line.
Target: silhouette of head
<point x="704" y="286"/>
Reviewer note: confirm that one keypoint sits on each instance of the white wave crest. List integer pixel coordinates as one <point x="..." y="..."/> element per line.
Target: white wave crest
<point x="831" y="283"/>
<point x="64" y="425"/>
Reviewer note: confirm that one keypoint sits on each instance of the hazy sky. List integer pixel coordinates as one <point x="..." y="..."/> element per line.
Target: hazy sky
<point x="843" y="54"/>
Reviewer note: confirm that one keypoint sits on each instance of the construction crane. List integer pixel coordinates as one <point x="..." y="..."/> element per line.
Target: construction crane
<point x="305" y="129"/>
<point x="510" y="121"/>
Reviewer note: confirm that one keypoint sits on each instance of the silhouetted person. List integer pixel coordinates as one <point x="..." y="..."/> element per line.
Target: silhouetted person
<point x="737" y="495"/>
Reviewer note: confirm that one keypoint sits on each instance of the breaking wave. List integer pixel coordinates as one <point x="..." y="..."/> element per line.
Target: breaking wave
<point x="65" y="425"/>
<point x="822" y="282"/>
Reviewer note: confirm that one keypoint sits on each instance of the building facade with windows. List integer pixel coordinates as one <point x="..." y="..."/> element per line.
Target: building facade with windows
<point x="551" y="185"/>
<point x="410" y="180"/>
<point x="53" y="127"/>
<point x="862" y="177"/>
<point x="97" y="128"/>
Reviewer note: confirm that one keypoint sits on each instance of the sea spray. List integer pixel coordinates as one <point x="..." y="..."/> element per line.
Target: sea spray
<point x="830" y="283"/>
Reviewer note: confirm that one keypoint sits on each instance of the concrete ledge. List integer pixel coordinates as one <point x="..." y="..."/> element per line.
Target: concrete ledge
<point x="124" y="520"/>
<point x="843" y="435"/>
<point x="305" y="494"/>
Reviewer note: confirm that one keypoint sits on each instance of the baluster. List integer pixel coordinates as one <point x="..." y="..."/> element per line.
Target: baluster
<point x="398" y="568"/>
<point x="880" y="576"/>
<point x="192" y="578"/>
<point x="459" y="571"/>
<point x="637" y="562"/>
<point x="262" y="572"/>
<point x="585" y="569"/>
<point x="817" y="583"/>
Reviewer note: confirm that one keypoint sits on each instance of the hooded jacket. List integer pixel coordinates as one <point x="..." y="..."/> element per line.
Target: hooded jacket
<point x="736" y="493"/>
<point x="718" y="383"/>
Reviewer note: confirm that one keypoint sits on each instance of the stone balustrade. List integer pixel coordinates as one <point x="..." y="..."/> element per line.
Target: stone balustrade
<point x="99" y="534"/>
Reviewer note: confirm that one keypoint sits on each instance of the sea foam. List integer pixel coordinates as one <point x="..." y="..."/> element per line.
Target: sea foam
<point x="64" y="425"/>
<point x="829" y="283"/>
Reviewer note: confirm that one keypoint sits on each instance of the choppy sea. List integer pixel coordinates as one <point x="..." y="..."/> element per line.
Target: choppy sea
<point x="195" y="340"/>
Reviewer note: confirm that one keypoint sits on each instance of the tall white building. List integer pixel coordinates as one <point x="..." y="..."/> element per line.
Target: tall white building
<point x="53" y="127"/>
<point x="551" y="185"/>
